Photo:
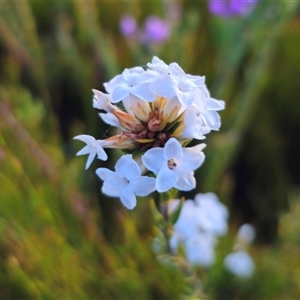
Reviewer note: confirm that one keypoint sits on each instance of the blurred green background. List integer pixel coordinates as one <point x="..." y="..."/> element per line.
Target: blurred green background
<point x="59" y="237"/>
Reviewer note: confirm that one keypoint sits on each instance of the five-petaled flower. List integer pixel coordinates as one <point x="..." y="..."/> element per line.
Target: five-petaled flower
<point x="126" y="182"/>
<point x="173" y="165"/>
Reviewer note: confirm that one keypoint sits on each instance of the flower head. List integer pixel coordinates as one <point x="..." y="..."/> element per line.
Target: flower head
<point x="157" y="111"/>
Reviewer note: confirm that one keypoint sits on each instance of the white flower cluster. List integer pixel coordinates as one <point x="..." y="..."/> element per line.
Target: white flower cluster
<point x="158" y="111"/>
<point x="200" y="223"/>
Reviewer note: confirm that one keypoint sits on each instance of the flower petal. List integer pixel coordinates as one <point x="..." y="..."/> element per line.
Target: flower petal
<point x="114" y="81"/>
<point x="185" y="98"/>
<point x="185" y="181"/>
<point x="84" y="138"/>
<point x="191" y="160"/>
<point x="127" y="167"/>
<point x="85" y="150"/>
<point x="119" y="93"/>
<point x="166" y="179"/>
<point x="90" y="160"/>
<point x="112" y="188"/>
<point x="172" y="149"/>
<point x="109" y="189"/>
<point x="213" y="104"/>
<point x="128" y="197"/>
<point x="177" y="73"/>
<point x="110" y="119"/>
<point x="143" y="186"/>
<point x="105" y="173"/>
<point x="158" y="65"/>
<point x="153" y="159"/>
<point x="101" y="101"/>
<point x="212" y="119"/>
<point x="140" y="108"/>
<point x="143" y="92"/>
<point x="163" y="86"/>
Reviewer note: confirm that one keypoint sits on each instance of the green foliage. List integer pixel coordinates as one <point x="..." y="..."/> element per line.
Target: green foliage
<point x="50" y="244"/>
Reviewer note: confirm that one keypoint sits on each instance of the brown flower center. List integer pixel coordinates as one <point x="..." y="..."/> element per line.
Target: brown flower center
<point x="172" y="164"/>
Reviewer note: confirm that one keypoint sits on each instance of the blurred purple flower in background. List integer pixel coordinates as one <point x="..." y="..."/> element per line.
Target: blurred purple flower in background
<point x="128" y="25"/>
<point x="156" y="30"/>
<point x="231" y="8"/>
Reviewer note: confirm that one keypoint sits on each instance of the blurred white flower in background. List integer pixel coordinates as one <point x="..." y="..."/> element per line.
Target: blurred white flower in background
<point x="199" y="225"/>
<point x="246" y="234"/>
<point x="239" y="263"/>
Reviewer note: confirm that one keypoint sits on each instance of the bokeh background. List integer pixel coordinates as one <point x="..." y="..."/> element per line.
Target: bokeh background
<point x="60" y="238"/>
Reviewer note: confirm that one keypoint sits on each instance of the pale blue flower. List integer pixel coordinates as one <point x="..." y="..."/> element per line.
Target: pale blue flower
<point x="93" y="147"/>
<point x="173" y="165"/>
<point x="126" y="182"/>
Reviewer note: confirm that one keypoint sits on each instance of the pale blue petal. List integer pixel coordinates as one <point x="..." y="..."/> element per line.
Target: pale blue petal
<point x="163" y="86"/>
<point x="166" y="179"/>
<point x="177" y="73"/>
<point x="116" y="80"/>
<point x="90" y="160"/>
<point x="127" y="167"/>
<point x="119" y="93"/>
<point x="130" y="74"/>
<point x="85" y="150"/>
<point x="105" y="173"/>
<point x="197" y="80"/>
<point x="212" y="119"/>
<point x="185" y="181"/>
<point x="128" y="197"/>
<point x="84" y="138"/>
<point x="143" y="92"/>
<point x="143" y="186"/>
<point x="110" y="119"/>
<point x="153" y="159"/>
<point x="112" y="188"/>
<point x="172" y="149"/>
<point x="185" y="98"/>
<point x="191" y="160"/>
<point x="213" y="104"/>
<point x="101" y="153"/>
